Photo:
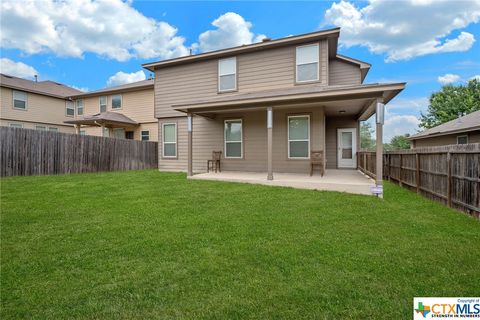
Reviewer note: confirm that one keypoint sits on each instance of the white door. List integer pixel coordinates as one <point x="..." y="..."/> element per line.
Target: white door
<point x="347" y="148"/>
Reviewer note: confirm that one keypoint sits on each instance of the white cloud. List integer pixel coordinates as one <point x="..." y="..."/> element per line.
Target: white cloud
<point x="123" y="78"/>
<point x="84" y="89"/>
<point x="475" y="77"/>
<point x="407" y="29"/>
<point x="398" y="125"/>
<point x="112" y="29"/>
<point x="399" y="105"/>
<point x="232" y="30"/>
<point x="448" y="78"/>
<point x="17" y="69"/>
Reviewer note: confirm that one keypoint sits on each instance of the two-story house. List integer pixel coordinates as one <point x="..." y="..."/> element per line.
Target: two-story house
<point x="124" y="111"/>
<point x="266" y="106"/>
<point x="41" y="105"/>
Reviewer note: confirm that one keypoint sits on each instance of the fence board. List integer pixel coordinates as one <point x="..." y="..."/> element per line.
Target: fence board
<point x="25" y="152"/>
<point x="449" y="174"/>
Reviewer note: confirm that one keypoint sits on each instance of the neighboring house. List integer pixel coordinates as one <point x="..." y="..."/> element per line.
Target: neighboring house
<point x="462" y="130"/>
<point x="266" y="106"/>
<point x="42" y="105"/>
<point x="125" y="111"/>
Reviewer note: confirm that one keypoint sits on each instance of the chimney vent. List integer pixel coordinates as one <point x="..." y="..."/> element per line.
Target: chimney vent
<point x="266" y="39"/>
<point x="36" y="78"/>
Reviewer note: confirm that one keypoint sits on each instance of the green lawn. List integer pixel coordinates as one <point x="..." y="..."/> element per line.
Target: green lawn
<point x="138" y="245"/>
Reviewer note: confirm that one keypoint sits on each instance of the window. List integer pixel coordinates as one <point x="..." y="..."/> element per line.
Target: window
<point x="79" y="107"/>
<point x="42" y="128"/>
<point x="299" y="137"/>
<point x="117" y="101"/>
<point x="169" y="134"/>
<point x="82" y="132"/>
<point x="233" y="139"/>
<point x="16" y="125"/>
<point x="307" y="63"/>
<point x="119" y="133"/>
<point x="102" y="101"/>
<point x="19" y="100"/>
<point x="145" y="135"/>
<point x="53" y="129"/>
<point x="462" y="139"/>
<point x="70" y="109"/>
<point x="227" y="74"/>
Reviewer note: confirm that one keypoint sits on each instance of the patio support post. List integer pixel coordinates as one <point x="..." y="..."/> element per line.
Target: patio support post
<point x="190" y="143"/>
<point x="379" y="144"/>
<point x="269" y="143"/>
<point x="77" y="129"/>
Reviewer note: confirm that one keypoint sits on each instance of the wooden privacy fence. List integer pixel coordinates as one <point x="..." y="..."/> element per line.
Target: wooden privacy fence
<point x="450" y="174"/>
<point x="25" y="152"/>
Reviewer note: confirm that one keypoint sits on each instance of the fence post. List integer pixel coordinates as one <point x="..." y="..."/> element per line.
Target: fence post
<point x="417" y="178"/>
<point x="449" y="179"/>
<point x="400" y="172"/>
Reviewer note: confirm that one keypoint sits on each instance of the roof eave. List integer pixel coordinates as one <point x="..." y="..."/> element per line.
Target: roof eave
<point x="445" y="133"/>
<point x="101" y="93"/>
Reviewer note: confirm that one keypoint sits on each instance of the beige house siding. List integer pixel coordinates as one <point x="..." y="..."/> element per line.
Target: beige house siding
<point x="33" y="125"/>
<point x="344" y="73"/>
<point x="257" y="71"/>
<point x="208" y="136"/>
<point x="334" y="123"/>
<point x="473" y="137"/>
<point x="41" y="109"/>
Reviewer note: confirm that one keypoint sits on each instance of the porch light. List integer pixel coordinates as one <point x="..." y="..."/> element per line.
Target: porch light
<point x="269" y="119"/>
<point x="189" y="123"/>
<point x="342" y="111"/>
<point x="380" y="112"/>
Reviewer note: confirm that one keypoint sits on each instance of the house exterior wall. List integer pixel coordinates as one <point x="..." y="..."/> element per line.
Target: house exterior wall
<point x="257" y="71"/>
<point x="137" y="105"/>
<point x="41" y="110"/>
<point x="473" y="137"/>
<point x="343" y="73"/>
<point x="208" y="136"/>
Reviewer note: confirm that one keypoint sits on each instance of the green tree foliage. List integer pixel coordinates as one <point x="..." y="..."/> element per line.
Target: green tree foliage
<point x="398" y="143"/>
<point x="367" y="142"/>
<point x="451" y="101"/>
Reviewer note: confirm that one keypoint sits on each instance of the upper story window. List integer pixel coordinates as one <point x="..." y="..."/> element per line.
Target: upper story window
<point x="307" y="63"/>
<point x="117" y="101"/>
<point x="227" y="74"/>
<point x="79" y="107"/>
<point x="462" y="139"/>
<point x="19" y="100"/>
<point x="69" y="109"/>
<point x="102" y="102"/>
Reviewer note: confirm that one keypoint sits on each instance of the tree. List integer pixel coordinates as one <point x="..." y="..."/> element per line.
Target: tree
<point x="451" y="101"/>
<point x="398" y="143"/>
<point x="366" y="137"/>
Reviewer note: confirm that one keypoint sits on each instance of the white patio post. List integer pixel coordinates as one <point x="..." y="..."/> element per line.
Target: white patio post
<point x="379" y="141"/>
<point x="269" y="143"/>
<point x="77" y="129"/>
<point x="190" y="145"/>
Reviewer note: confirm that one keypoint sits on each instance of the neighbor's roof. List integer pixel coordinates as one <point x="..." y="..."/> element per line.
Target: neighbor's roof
<point x="296" y="94"/>
<point x="139" y="85"/>
<point x="110" y="117"/>
<point x="330" y="34"/>
<point x="470" y="122"/>
<point x="48" y="88"/>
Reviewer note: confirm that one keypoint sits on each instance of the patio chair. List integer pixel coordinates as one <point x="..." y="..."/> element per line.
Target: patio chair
<point x="317" y="159"/>
<point x="214" y="163"/>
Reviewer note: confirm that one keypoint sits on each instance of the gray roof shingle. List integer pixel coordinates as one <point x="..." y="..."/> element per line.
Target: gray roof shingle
<point x="468" y="122"/>
<point x="49" y="88"/>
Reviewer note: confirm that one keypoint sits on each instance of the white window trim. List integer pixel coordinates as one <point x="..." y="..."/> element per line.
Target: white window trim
<point x="15" y="125"/>
<point x="66" y="108"/>
<point x="288" y="136"/>
<point x="225" y="138"/>
<point x="141" y="135"/>
<point x="100" y="104"/>
<point x="227" y="74"/>
<point x="461" y="136"/>
<point x="163" y="140"/>
<point x="26" y="100"/>
<point x="76" y="107"/>
<point x="318" y="63"/>
<point x="121" y="101"/>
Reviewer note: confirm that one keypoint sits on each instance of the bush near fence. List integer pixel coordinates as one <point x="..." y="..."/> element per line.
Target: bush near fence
<point x="449" y="174"/>
<point x="25" y="152"/>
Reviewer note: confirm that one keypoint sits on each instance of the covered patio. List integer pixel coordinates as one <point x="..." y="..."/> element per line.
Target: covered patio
<point x="108" y="121"/>
<point x="351" y="181"/>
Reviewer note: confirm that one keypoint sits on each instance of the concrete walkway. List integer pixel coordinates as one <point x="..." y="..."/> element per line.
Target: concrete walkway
<point x="351" y="181"/>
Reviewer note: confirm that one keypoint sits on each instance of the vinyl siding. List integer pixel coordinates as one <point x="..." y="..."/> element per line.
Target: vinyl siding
<point x="257" y="71"/>
<point x="40" y="109"/>
<point x="334" y="123"/>
<point x="208" y="137"/>
<point x="473" y="137"/>
<point x="344" y="73"/>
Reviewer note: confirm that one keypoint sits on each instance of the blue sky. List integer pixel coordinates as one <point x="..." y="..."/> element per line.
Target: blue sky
<point x="400" y="41"/>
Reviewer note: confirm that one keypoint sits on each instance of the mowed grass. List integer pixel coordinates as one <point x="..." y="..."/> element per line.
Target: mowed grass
<point x="146" y="245"/>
